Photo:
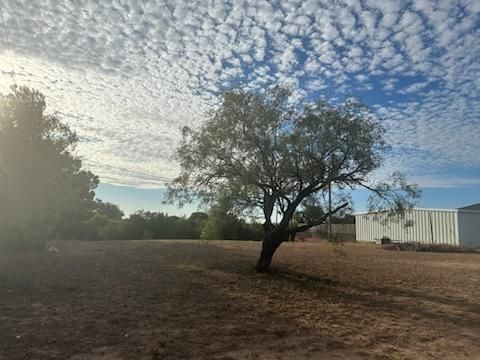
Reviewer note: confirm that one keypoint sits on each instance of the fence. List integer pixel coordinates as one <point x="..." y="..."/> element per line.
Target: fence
<point x="340" y="232"/>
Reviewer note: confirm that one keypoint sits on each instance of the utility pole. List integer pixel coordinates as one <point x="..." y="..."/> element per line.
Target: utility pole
<point x="330" y="203"/>
<point x="329" y="210"/>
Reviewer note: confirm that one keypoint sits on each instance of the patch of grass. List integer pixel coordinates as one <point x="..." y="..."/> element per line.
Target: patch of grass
<point x="414" y="246"/>
<point x="24" y="247"/>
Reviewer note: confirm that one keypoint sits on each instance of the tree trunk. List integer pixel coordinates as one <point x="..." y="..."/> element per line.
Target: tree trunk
<point x="269" y="246"/>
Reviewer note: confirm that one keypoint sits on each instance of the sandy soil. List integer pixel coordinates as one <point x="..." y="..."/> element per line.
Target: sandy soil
<point x="202" y="300"/>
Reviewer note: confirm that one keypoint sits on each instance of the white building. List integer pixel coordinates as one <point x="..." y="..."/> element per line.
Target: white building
<point x="459" y="227"/>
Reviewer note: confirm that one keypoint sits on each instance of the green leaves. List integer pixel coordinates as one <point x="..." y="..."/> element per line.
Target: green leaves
<point x="263" y="151"/>
<point x="40" y="178"/>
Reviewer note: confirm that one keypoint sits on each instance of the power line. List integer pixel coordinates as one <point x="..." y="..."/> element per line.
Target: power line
<point x="129" y="170"/>
<point x="12" y="59"/>
<point x="154" y="176"/>
<point x="8" y="42"/>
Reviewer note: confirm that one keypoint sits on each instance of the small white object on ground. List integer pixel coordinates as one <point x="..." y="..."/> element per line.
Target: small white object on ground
<point x="53" y="249"/>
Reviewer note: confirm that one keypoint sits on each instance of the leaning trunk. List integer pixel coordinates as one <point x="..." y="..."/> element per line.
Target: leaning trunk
<point x="269" y="246"/>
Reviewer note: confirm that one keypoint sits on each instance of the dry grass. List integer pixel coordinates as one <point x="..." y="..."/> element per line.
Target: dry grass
<point x="194" y="299"/>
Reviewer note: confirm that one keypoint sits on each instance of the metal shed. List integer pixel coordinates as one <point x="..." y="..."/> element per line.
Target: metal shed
<point x="459" y="227"/>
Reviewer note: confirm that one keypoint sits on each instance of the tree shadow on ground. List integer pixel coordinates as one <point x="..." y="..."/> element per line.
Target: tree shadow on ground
<point x="411" y="304"/>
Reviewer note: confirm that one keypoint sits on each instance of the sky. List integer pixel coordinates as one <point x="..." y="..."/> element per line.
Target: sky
<point x="127" y="75"/>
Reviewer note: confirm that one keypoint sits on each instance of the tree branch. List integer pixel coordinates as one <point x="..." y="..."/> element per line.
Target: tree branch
<point x="306" y="227"/>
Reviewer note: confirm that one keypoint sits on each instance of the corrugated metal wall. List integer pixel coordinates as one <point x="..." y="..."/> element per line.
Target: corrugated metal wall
<point x="418" y="225"/>
<point x="469" y="228"/>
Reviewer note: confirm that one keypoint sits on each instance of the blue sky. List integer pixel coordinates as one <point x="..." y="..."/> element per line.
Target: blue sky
<point x="128" y="75"/>
<point x="131" y="199"/>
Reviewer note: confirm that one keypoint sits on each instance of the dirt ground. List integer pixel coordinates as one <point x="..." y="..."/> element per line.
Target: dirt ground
<point x="202" y="300"/>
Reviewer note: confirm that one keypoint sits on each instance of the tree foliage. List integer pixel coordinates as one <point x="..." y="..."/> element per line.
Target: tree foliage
<point x="40" y="177"/>
<point x="311" y="211"/>
<point x="112" y="211"/>
<point x="156" y="225"/>
<point x="222" y="225"/>
<point x="261" y="152"/>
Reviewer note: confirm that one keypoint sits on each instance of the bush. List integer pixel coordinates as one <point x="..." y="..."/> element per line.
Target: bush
<point x="113" y="230"/>
<point x="414" y="246"/>
<point x="220" y="225"/>
<point x="386" y="240"/>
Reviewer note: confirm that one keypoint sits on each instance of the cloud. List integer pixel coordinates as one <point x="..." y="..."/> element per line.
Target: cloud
<point x="440" y="181"/>
<point x="414" y="87"/>
<point x="128" y="75"/>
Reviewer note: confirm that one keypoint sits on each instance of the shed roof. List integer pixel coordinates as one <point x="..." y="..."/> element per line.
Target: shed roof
<point x="471" y="207"/>
<point x="475" y="208"/>
<point x="412" y="209"/>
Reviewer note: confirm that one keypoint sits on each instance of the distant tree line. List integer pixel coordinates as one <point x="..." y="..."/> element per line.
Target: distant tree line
<point x="107" y="222"/>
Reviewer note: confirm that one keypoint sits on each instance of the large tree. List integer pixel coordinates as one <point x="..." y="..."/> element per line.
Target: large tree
<point x="267" y="152"/>
<point x="40" y="177"/>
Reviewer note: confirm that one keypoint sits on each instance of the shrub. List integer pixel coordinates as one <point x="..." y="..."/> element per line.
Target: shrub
<point x="415" y="246"/>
